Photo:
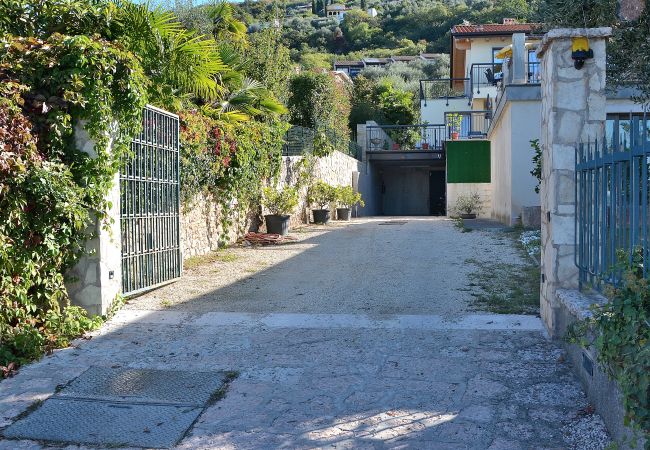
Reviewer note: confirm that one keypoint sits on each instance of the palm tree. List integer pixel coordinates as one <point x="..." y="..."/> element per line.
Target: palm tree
<point x="185" y="66"/>
<point x="179" y="62"/>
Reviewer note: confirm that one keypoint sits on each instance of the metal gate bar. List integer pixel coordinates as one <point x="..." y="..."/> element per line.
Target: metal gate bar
<point x="150" y="205"/>
<point x="612" y="198"/>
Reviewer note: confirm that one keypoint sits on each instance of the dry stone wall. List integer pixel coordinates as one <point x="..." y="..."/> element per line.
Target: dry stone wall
<point x="201" y="219"/>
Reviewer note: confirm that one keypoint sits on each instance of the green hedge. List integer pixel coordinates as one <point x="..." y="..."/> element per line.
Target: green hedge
<point x="468" y="162"/>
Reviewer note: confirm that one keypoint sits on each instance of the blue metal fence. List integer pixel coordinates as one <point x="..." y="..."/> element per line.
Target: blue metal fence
<point x="611" y="187"/>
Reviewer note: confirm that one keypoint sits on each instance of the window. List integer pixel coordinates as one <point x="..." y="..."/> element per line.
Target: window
<point x="533" y="67"/>
<point x="497" y="61"/>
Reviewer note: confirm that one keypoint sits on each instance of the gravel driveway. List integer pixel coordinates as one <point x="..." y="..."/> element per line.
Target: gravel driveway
<point x="357" y="335"/>
<point x="373" y="267"/>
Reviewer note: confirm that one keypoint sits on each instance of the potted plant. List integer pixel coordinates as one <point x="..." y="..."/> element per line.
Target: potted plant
<point x="322" y="195"/>
<point x="280" y="204"/>
<point x="468" y="206"/>
<point x="347" y="199"/>
<point x="454" y="121"/>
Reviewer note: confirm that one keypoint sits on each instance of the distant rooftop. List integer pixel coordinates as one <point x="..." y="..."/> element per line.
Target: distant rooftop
<point x="404" y="58"/>
<point x="508" y="27"/>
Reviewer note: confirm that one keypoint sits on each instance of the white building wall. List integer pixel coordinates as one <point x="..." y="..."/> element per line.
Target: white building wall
<point x="501" y="167"/>
<point x="526" y="125"/>
<point x="433" y="111"/>
<point x="484" y="190"/>
<point x="512" y="159"/>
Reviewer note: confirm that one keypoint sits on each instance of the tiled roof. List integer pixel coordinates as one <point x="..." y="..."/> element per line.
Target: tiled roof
<point x="495" y="28"/>
<point x="348" y="63"/>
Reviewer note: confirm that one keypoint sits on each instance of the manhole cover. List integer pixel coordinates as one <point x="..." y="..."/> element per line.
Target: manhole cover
<point x="105" y="423"/>
<point x="122" y="407"/>
<point x="145" y="386"/>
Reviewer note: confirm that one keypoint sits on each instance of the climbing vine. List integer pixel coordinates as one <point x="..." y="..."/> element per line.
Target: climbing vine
<point x="619" y="331"/>
<point x="229" y="162"/>
<point x="49" y="190"/>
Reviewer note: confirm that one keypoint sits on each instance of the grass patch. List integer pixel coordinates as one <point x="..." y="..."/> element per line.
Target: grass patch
<point x="460" y="224"/>
<point x="504" y="288"/>
<point x="224" y="256"/>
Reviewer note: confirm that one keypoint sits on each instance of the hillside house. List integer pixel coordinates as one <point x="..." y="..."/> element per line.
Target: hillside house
<point x="475" y="131"/>
<point x="336" y="11"/>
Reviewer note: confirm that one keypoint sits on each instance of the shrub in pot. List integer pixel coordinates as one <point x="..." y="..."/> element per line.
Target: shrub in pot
<point x="468" y="206"/>
<point x="346" y="198"/>
<point x="280" y="204"/>
<point x="321" y="195"/>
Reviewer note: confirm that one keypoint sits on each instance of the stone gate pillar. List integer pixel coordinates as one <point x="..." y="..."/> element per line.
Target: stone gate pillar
<point x="97" y="277"/>
<point x="573" y="111"/>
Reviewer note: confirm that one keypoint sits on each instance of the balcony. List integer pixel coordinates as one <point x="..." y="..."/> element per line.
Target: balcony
<point x="445" y="88"/>
<point x="405" y="138"/>
<point x="485" y="76"/>
<point x="468" y="124"/>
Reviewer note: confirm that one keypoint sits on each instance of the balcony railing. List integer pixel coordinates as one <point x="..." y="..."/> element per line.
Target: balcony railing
<point x="388" y="138"/>
<point x="467" y="124"/>
<point x="534" y="72"/>
<point x="483" y="75"/>
<point x="446" y="88"/>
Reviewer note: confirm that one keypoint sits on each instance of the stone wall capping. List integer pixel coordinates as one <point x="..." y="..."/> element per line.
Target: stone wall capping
<point x="568" y="33"/>
<point x="579" y="303"/>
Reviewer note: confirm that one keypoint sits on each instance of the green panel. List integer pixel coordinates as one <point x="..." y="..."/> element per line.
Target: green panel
<point x="468" y="161"/>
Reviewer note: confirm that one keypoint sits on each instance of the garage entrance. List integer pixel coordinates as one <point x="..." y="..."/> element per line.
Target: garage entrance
<point x="413" y="191"/>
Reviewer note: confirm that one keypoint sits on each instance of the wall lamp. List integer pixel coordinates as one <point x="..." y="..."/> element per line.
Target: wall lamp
<point x="580" y="52"/>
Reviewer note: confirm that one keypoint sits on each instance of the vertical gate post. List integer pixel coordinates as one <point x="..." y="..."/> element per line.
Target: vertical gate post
<point x="97" y="275"/>
<point x="573" y="111"/>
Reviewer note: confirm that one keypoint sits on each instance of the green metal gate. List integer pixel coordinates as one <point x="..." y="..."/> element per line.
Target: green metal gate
<point x="149" y="205"/>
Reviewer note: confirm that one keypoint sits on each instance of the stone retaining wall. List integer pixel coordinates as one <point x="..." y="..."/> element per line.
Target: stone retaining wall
<point x="201" y="227"/>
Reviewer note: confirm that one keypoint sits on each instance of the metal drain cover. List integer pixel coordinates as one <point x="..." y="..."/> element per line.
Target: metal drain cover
<point x="104" y="423"/>
<point x="394" y="222"/>
<point x="145" y="386"/>
<point x="122" y="407"/>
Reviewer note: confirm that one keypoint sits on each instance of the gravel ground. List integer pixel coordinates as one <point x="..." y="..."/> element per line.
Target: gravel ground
<point x="358" y="335"/>
<point x="366" y="266"/>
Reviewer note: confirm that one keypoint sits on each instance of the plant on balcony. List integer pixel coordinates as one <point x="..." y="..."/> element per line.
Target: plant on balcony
<point x="469" y="205"/>
<point x="405" y="138"/>
<point x="454" y="122"/>
<point x="347" y="199"/>
<point x="322" y="195"/>
<point x="280" y="204"/>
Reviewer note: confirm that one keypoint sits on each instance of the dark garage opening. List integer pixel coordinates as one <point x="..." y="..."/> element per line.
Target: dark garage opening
<point x="413" y="190"/>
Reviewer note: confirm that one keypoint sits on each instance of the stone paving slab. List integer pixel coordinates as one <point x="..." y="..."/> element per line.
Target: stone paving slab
<point x="341" y="387"/>
<point x="301" y="320"/>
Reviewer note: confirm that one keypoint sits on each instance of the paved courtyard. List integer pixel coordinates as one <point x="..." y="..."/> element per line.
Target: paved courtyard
<point x="358" y="335"/>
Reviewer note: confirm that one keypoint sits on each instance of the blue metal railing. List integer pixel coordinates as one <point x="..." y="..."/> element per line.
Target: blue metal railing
<point x="405" y="137"/>
<point x="468" y="124"/>
<point x="612" y="193"/>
